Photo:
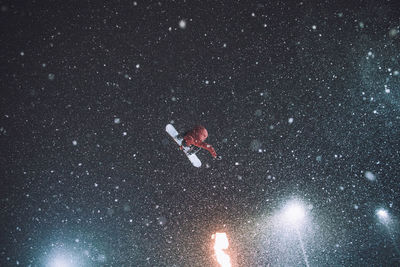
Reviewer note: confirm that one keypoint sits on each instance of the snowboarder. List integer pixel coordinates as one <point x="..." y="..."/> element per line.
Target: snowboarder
<point x="195" y="137"/>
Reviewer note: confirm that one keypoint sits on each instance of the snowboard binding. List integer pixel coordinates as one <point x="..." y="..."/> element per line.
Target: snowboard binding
<point x="193" y="150"/>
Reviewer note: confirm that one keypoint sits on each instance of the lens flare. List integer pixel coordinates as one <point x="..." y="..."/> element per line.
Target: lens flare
<point x="221" y="244"/>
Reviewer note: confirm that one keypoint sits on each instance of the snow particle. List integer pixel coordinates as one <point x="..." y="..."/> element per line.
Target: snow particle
<point x="101" y="258"/>
<point x="51" y="76"/>
<point x="255" y="145"/>
<point x="162" y="220"/>
<point x="393" y="32"/>
<point x="182" y="24"/>
<point x="137" y="66"/>
<point x="370" y="176"/>
<point x="314" y="27"/>
<point x="127" y="208"/>
<point x="258" y="112"/>
<point x="74" y="142"/>
<point x="117" y="120"/>
<point x="387" y="90"/>
<point x="124" y="133"/>
<point x="22" y="53"/>
<point x="290" y="120"/>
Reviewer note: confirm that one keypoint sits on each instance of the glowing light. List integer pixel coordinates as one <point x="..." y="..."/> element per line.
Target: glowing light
<point x="60" y="261"/>
<point x="62" y="257"/>
<point x="383" y="215"/>
<point x="294" y="213"/>
<point x="221" y="244"/>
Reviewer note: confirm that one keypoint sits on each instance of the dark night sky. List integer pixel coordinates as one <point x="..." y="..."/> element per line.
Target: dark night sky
<point x="300" y="98"/>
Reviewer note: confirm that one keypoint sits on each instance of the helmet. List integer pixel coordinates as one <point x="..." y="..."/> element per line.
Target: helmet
<point x="201" y="132"/>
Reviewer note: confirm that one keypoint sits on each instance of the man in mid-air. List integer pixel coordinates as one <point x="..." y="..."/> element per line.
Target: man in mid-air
<point x="195" y="137"/>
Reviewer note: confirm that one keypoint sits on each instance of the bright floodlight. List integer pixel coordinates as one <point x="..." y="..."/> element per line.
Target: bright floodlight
<point x="294" y="213"/>
<point x="59" y="262"/>
<point x="383" y="215"/>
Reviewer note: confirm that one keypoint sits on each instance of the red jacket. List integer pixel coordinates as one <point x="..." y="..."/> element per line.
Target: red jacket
<point x="196" y="136"/>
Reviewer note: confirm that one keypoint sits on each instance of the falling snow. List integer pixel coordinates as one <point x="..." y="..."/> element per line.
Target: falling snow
<point x="300" y="99"/>
<point x="370" y="176"/>
<point x="182" y="24"/>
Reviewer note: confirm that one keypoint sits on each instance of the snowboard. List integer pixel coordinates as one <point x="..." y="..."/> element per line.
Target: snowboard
<point x="170" y="129"/>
